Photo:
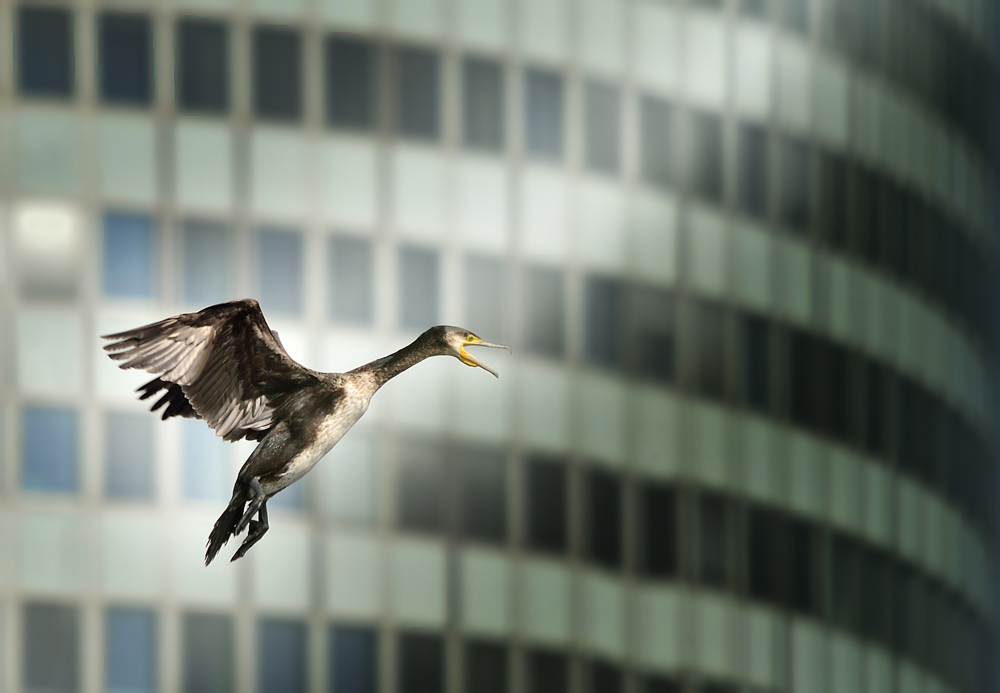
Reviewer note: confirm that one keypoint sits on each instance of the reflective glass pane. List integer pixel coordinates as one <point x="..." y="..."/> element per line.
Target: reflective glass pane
<point x="125" y="57"/>
<point x="281" y="656"/>
<point x="129" y="256"/>
<point x="658" y="530"/>
<point x="49" y="442"/>
<point x="707" y="353"/>
<point x="207" y="647"/>
<point x="206" y="472"/>
<point x="702" y="163"/>
<point x="657" y="150"/>
<point x="546" y="504"/>
<point x="602" y="343"/>
<point x="351" y="277"/>
<point x="602" y="127"/>
<point x="547" y="672"/>
<point x="794" y="200"/>
<point x="754" y="172"/>
<point x="485" y="667"/>
<point x="418" y="92"/>
<point x="482" y="478"/>
<point x="756" y="364"/>
<point x="129" y="470"/>
<point x="421" y="663"/>
<point x="277" y="70"/>
<point x="603" y="678"/>
<point x="350" y="82"/>
<point x="715" y="541"/>
<point x="45" y="51"/>
<point x="543" y="114"/>
<point x="604" y="518"/>
<point x="51" y="648"/>
<point x="130" y="650"/>
<point x="205" y="271"/>
<point x="544" y="312"/>
<point x="422" y="491"/>
<point x="281" y="271"/>
<point x="354" y="659"/>
<point x="650" y="333"/>
<point x="202" y="76"/>
<point x="484" y="290"/>
<point x="418" y="288"/>
<point x="483" y="104"/>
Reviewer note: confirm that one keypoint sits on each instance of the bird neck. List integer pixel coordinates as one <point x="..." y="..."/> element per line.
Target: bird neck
<point x="388" y="367"/>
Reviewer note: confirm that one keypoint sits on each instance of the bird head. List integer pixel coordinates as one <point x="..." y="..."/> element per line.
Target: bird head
<point x="453" y="341"/>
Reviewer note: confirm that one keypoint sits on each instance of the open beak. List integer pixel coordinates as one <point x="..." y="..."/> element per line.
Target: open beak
<point x="470" y="360"/>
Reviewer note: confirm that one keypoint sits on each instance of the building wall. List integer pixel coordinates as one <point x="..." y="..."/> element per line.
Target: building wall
<point x="744" y="254"/>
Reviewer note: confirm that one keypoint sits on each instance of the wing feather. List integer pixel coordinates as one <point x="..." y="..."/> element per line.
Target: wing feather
<point x="222" y="364"/>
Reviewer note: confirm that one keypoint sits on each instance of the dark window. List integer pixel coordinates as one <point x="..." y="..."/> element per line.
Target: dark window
<point x="281" y="268"/>
<point x="482" y="104"/>
<point x="350" y="82"/>
<point x="908" y="611"/>
<point x="206" y="262"/>
<point x="354" y="654"/>
<point x="126" y="58"/>
<point x="544" y="302"/>
<point x="421" y="663"/>
<point x="418" y="288"/>
<point x="202" y="66"/>
<point x="484" y="291"/>
<point x="805" y="559"/>
<point x="715" y="541"/>
<point x="892" y="206"/>
<point x="546" y="504"/>
<point x="658" y="530"/>
<point x="485" y="668"/>
<point x="756" y="363"/>
<point x="754" y="170"/>
<point x="706" y="352"/>
<point x="603" y="678"/>
<point x="602" y="344"/>
<point x="208" y="653"/>
<point x="130" y="650"/>
<point x="604" y="518"/>
<point x="543" y="114"/>
<point x="547" y="672"/>
<point x="832" y="201"/>
<point x="422" y="494"/>
<point x="602" y="127"/>
<point x="649" y="341"/>
<point x="129" y="256"/>
<point x="876" y="593"/>
<point x="793" y="200"/>
<point x="877" y="385"/>
<point x="277" y="70"/>
<point x="45" y="51"/>
<point x="794" y="15"/>
<point x="846" y="583"/>
<point x="49" y="442"/>
<point x="281" y="656"/>
<point x="418" y="110"/>
<point x="482" y="477"/>
<point x="129" y="471"/>
<point x="702" y="149"/>
<point x="864" y="222"/>
<point x="657" y="151"/>
<point x="51" y="647"/>
<point x="655" y="684"/>
<point x="351" y="288"/>
<point x="767" y="556"/>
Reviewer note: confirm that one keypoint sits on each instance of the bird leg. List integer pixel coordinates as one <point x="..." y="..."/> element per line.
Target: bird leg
<point x="257" y="499"/>
<point x="257" y="530"/>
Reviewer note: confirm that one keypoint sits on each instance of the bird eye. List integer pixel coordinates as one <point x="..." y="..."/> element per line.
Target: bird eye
<point x="471" y="338"/>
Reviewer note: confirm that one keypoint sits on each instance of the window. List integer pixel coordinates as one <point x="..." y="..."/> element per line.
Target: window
<point x="767" y="556"/>
<point x="754" y="8"/>
<point x="657" y="118"/>
<point x="604" y="518"/>
<point x="485" y="667"/>
<point x="50" y="641"/>
<point x="129" y="250"/>
<point x="876" y="594"/>
<point x="45" y="51"/>
<point x="715" y="541"/>
<point x="350" y="82"/>
<point x="126" y="58"/>
<point x="205" y="463"/>
<point x="484" y="290"/>
<point x="756" y="363"/>
<point x="418" y="93"/>
<point x="547" y="672"/>
<point x="418" y="288"/>
<point x="129" y="470"/>
<point x="878" y="385"/>
<point x="794" y="181"/>
<point x="354" y="654"/>
<point x="422" y="480"/>
<point x="846" y="583"/>
<point x="421" y="663"/>
<point x="206" y="263"/>
<point x="281" y="656"/>
<point x="130" y="651"/>
<point x="483" y="104"/>
<point x="707" y="352"/>
<point x="277" y="73"/>
<point x="202" y="66"/>
<point x="805" y="558"/>
<point x="603" y="678"/>
<point x="831" y="214"/>
<point x="543" y="115"/>
<point x="655" y="684"/>
<point x="893" y="204"/>
<point x="864" y="223"/>
<point x="702" y="163"/>
<point x="658" y="531"/>
<point x="482" y="477"/>
<point x="546" y="504"/>
<point x="351" y="287"/>
<point x="49" y="441"/>
<point x="281" y="271"/>
<point x="753" y="170"/>
<point x="603" y="325"/>
<point x="649" y="343"/>
<point x="794" y="15"/>
<point x="602" y="127"/>
<point x="207" y="642"/>
<point x="544" y="303"/>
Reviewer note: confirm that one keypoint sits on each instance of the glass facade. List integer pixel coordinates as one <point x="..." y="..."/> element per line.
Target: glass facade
<point x="744" y="252"/>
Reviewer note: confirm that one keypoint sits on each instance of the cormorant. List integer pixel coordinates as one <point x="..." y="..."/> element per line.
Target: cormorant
<point x="224" y="364"/>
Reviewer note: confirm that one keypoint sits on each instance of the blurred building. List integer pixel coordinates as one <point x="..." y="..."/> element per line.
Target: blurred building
<point x="744" y="250"/>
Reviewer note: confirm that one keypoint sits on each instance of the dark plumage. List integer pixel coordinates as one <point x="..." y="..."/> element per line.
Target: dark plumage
<point x="223" y="364"/>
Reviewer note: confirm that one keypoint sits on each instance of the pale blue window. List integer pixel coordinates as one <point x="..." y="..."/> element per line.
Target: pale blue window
<point x="281" y="271"/>
<point x="281" y="656"/>
<point x="353" y="655"/>
<point x="128" y="455"/>
<point x="207" y="646"/>
<point x="418" y="288"/>
<point x="49" y="440"/>
<point x="50" y="642"/>
<point x="351" y="283"/>
<point x="129" y="256"/>
<point x="207" y="474"/>
<point x="130" y="651"/>
<point x="543" y="103"/>
<point x="205" y="263"/>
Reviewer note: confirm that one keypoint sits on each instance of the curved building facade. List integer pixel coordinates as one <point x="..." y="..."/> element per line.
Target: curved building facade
<point x="744" y="251"/>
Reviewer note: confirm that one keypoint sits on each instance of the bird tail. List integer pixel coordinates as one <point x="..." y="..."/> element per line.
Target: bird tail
<point x="225" y="526"/>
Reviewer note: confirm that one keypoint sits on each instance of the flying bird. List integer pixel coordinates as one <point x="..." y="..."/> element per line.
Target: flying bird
<point x="224" y="364"/>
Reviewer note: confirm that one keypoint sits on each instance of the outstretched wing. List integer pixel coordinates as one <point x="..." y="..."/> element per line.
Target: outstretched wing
<point x="222" y="364"/>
